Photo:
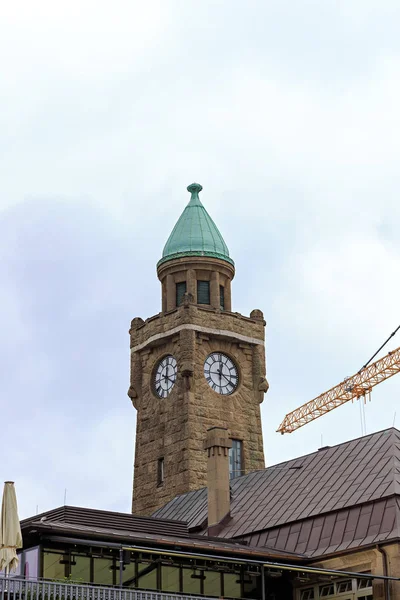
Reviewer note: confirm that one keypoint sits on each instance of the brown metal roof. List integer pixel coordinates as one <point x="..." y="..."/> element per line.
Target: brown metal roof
<point x="133" y="538"/>
<point x="103" y="519"/>
<point x="307" y="489"/>
<point x="335" y="532"/>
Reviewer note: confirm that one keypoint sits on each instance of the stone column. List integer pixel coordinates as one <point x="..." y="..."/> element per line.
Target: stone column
<point x="135" y="389"/>
<point x="191" y="285"/>
<point x="214" y="290"/>
<point x="164" y="296"/>
<point x="171" y="293"/>
<point x="217" y="444"/>
<point x="228" y="298"/>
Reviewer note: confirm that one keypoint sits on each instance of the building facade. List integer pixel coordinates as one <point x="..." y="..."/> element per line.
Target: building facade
<point x="71" y="552"/>
<point x="210" y="520"/>
<point x="338" y="508"/>
<point x="194" y="365"/>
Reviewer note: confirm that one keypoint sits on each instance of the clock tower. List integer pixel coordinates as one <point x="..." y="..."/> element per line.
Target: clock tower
<point x="195" y="365"/>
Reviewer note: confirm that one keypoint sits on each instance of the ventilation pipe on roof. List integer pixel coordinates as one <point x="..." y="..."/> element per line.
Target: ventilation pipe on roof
<point x="217" y="445"/>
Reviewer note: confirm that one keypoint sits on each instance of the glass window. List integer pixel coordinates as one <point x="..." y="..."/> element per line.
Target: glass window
<point x="80" y="568"/>
<point x="147" y="578"/>
<point x="232" y="585"/>
<point x="326" y="590"/>
<point x="222" y="297"/>
<point x="128" y="575"/>
<point x="103" y="571"/>
<point x="235" y="459"/>
<point x="362" y="584"/>
<point x="180" y="291"/>
<point x="52" y="567"/>
<point x="203" y="292"/>
<point x="212" y="583"/>
<point x="31" y="563"/>
<point x="251" y="586"/>
<point x="192" y="581"/>
<point x="170" y="579"/>
<point x="307" y="594"/>
<point x="344" y="586"/>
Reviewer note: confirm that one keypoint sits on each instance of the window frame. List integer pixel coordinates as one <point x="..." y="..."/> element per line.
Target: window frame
<point x="200" y="283"/>
<point x="356" y="592"/>
<point x="236" y="445"/>
<point x="180" y="285"/>
<point x="222" y="297"/>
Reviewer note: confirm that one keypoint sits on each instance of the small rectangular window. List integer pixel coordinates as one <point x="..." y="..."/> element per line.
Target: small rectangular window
<point x="180" y="292"/>
<point x="203" y="292"/>
<point x="160" y="471"/>
<point x="236" y="459"/>
<point x="363" y="584"/>
<point x="222" y="297"/>
<point x="307" y="594"/>
<point x="326" y="590"/>
<point x="344" y="586"/>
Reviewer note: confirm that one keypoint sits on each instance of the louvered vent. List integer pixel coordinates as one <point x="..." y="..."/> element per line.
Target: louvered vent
<point x="203" y="292"/>
<point x="180" y="291"/>
<point x="222" y="297"/>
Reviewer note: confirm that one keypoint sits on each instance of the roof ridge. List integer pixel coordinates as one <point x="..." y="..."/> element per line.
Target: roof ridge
<point x="67" y="511"/>
<point x="326" y="448"/>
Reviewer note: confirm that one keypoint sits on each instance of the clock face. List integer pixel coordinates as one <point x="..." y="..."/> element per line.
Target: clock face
<point x="221" y="373"/>
<point x="165" y="376"/>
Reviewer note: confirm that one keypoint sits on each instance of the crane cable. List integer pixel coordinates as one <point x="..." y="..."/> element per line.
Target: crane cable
<point x="379" y="349"/>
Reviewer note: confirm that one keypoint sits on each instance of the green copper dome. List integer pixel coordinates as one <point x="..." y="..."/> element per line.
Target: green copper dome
<point x="195" y="233"/>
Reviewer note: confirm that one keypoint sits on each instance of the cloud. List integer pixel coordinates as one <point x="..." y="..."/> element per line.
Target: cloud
<point x="67" y="365"/>
<point x="286" y="113"/>
<point x="348" y="288"/>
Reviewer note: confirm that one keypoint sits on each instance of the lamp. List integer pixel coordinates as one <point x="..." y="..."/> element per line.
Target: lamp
<point x="273" y="574"/>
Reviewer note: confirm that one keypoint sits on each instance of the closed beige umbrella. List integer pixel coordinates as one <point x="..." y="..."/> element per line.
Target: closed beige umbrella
<point x="10" y="530"/>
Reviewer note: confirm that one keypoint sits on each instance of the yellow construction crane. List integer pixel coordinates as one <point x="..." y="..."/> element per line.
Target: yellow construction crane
<point x="357" y="386"/>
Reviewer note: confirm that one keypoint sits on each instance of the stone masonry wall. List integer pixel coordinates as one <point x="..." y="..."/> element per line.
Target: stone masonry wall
<point x="371" y="561"/>
<point x="141" y="331"/>
<point x="175" y="427"/>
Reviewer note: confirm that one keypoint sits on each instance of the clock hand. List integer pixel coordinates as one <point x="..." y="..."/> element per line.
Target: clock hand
<point x="221" y="373"/>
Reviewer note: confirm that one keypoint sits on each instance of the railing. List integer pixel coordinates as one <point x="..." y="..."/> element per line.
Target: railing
<point x="22" y="589"/>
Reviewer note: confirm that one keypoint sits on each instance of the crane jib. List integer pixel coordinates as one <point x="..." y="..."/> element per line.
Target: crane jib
<point x="357" y="386"/>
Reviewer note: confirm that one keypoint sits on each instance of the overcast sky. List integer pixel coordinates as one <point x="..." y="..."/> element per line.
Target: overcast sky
<point x="287" y="112"/>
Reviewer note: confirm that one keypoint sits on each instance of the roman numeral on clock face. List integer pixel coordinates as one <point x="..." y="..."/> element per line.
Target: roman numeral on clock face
<point x="221" y="373"/>
<point x="165" y="376"/>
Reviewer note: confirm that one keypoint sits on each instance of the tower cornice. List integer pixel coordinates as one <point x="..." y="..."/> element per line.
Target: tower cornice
<point x="195" y="262"/>
<point x="224" y="324"/>
<point x="223" y="333"/>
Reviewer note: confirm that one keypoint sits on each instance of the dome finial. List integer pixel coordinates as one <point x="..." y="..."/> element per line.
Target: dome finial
<point x="195" y="233"/>
<point x="194" y="189"/>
